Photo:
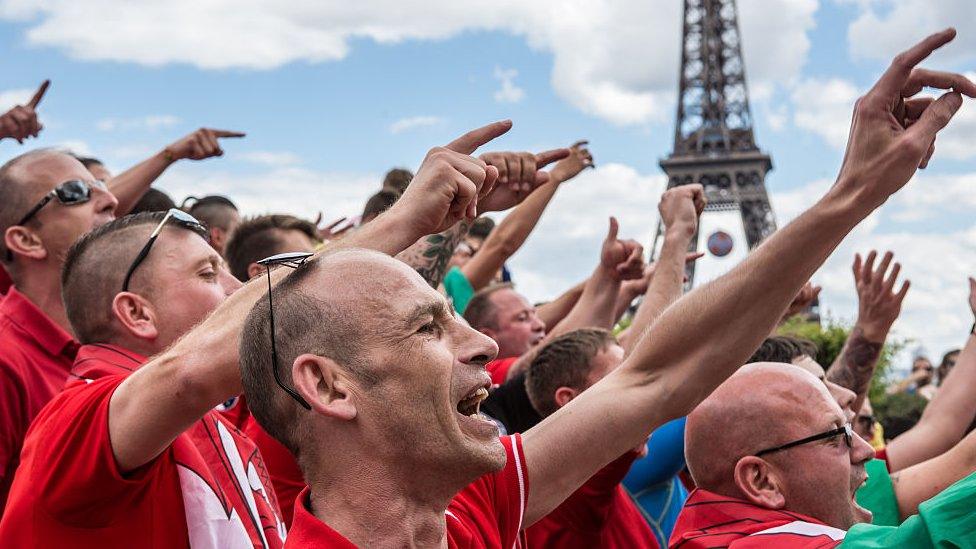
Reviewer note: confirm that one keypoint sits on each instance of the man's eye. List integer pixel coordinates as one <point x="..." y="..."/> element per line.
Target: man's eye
<point x="209" y="274"/>
<point x="429" y="328"/>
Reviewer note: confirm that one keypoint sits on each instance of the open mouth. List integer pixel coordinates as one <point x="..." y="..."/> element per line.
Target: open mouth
<point x="470" y="405"/>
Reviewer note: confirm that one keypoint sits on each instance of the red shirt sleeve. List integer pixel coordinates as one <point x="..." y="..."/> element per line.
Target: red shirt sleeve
<point x="70" y="462"/>
<point x="12" y="426"/>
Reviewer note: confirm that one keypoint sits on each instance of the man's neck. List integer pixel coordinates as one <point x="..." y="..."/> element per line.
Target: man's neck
<point x="43" y="289"/>
<point x="373" y="506"/>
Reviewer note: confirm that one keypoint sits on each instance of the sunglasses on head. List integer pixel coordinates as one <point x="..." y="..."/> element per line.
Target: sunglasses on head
<point x="179" y="217"/>
<point x="293" y="260"/>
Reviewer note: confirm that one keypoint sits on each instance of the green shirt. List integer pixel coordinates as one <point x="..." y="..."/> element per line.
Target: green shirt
<point x="947" y="520"/>
<point x="878" y="495"/>
<point x="458" y="289"/>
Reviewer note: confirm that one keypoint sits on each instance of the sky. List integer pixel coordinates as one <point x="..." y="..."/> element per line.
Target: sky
<point x="332" y="94"/>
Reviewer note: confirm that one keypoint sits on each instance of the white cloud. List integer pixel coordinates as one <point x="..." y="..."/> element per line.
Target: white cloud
<point x="824" y="107"/>
<point x="271" y="158"/>
<point x="414" y="122"/>
<point x="76" y="146"/>
<point x="885" y="27"/>
<point x="613" y="59"/>
<point x="509" y="92"/>
<point x="150" y="122"/>
<point x="11" y="98"/>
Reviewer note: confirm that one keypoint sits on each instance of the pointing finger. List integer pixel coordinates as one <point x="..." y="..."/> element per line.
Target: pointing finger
<point x="543" y="159"/>
<point x="469" y="142"/>
<point x="894" y="79"/>
<point x="227" y="133"/>
<point x="39" y="94"/>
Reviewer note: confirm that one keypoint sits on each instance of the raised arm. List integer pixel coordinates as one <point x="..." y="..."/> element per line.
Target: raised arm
<point x="555" y="311"/>
<point x="878" y="307"/>
<point x="129" y="186"/>
<point x="925" y="480"/>
<point x="619" y="260"/>
<point x="679" y="208"/>
<point x="511" y="233"/>
<point x="706" y="335"/>
<point x="430" y="255"/>
<point x="201" y="369"/>
<point x="20" y="122"/>
<point x="947" y="415"/>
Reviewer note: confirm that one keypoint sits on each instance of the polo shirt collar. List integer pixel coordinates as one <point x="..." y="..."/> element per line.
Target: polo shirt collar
<point x="27" y="316"/>
<point x="308" y="531"/>
<point x="98" y="360"/>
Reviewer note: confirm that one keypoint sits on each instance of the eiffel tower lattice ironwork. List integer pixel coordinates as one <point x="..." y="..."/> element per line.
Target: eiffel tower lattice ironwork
<point x="713" y="137"/>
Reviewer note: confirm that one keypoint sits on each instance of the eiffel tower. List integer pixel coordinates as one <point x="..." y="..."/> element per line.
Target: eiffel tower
<point x="714" y="143"/>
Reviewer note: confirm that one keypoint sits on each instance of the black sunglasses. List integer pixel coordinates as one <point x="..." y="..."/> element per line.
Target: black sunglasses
<point x="69" y="193"/>
<point x="179" y="217"/>
<point x="846" y="431"/>
<point x="293" y="260"/>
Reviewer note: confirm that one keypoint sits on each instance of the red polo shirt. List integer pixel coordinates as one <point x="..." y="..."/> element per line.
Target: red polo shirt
<point x="208" y="489"/>
<point x="35" y="358"/>
<point x="498" y="369"/>
<point x="598" y="514"/>
<point x="286" y="476"/>
<point x="486" y="513"/>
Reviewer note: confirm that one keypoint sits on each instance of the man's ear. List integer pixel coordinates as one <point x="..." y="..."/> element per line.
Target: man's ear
<point x="218" y="238"/>
<point x="323" y="384"/>
<point x="136" y="315"/>
<point x="254" y="270"/>
<point x="759" y="482"/>
<point x="23" y="241"/>
<point x="563" y="395"/>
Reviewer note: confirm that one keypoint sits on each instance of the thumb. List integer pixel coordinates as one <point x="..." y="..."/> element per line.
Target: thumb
<point x="614" y="228"/>
<point x="935" y="117"/>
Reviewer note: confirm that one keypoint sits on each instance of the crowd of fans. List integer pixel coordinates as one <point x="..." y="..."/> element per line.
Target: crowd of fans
<point x="185" y="377"/>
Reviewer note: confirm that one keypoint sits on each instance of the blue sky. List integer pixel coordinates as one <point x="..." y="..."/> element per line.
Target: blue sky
<point x="333" y="95"/>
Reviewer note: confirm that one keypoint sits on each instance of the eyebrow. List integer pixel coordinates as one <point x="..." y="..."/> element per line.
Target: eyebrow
<point x="431" y="308"/>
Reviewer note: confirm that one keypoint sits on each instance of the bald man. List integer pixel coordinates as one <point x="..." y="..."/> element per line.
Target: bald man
<point x="779" y="467"/>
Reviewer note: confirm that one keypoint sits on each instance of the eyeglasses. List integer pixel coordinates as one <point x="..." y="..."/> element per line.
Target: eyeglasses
<point x="69" y="193"/>
<point x="179" y="217"/>
<point x="293" y="260"/>
<point x="846" y="430"/>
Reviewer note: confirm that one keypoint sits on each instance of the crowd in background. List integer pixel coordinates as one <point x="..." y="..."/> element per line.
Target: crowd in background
<point x="185" y="376"/>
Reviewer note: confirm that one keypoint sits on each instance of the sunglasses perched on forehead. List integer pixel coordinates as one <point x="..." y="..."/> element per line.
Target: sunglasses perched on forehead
<point x="69" y="193"/>
<point x="179" y="217"/>
<point x="293" y="260"/>
<point x="846" y="431"/>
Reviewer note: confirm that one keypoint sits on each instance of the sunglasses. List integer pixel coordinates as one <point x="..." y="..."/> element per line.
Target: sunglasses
<point x="846" y="431"/>
<point x="69" y="193"/>
<point x="179" y="217"/>
<point x="293" y="260"/>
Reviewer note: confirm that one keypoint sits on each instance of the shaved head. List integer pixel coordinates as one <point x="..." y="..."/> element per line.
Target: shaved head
<point x="737" y="420"/>
<point x="767" y="405"/>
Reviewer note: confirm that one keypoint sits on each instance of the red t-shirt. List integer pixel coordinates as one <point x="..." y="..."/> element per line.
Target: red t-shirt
<point x="598" y="514"/>
<point x="286" y="476"/>
<point x="486" y="513"/>
<point x="498" y="369"/>
<point x="713" y="520"/>
<point x="35" y="358"/>
<point x="208" y="489"/>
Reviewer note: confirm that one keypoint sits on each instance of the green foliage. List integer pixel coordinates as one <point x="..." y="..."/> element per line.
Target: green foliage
<point x="830" y="337"/>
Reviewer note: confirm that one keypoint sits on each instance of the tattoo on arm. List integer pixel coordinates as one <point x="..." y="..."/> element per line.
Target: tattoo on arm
<point x="855" y="364"/>
<point x="431" y="254"/>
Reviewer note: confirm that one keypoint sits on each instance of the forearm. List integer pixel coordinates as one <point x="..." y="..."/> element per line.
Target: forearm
<point x="855" y="364"/>
<point x="556" y="310"/>
<point x="945" y="418"/>
<point x="925" y="480"/>
<point x="508" y="237"/>
<point x="593" y="310"/>
<point x="129" y="186"/>
<point x="664" y="289"/>
<point x="201" y="369"/>
<point x="431" y="254"/>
